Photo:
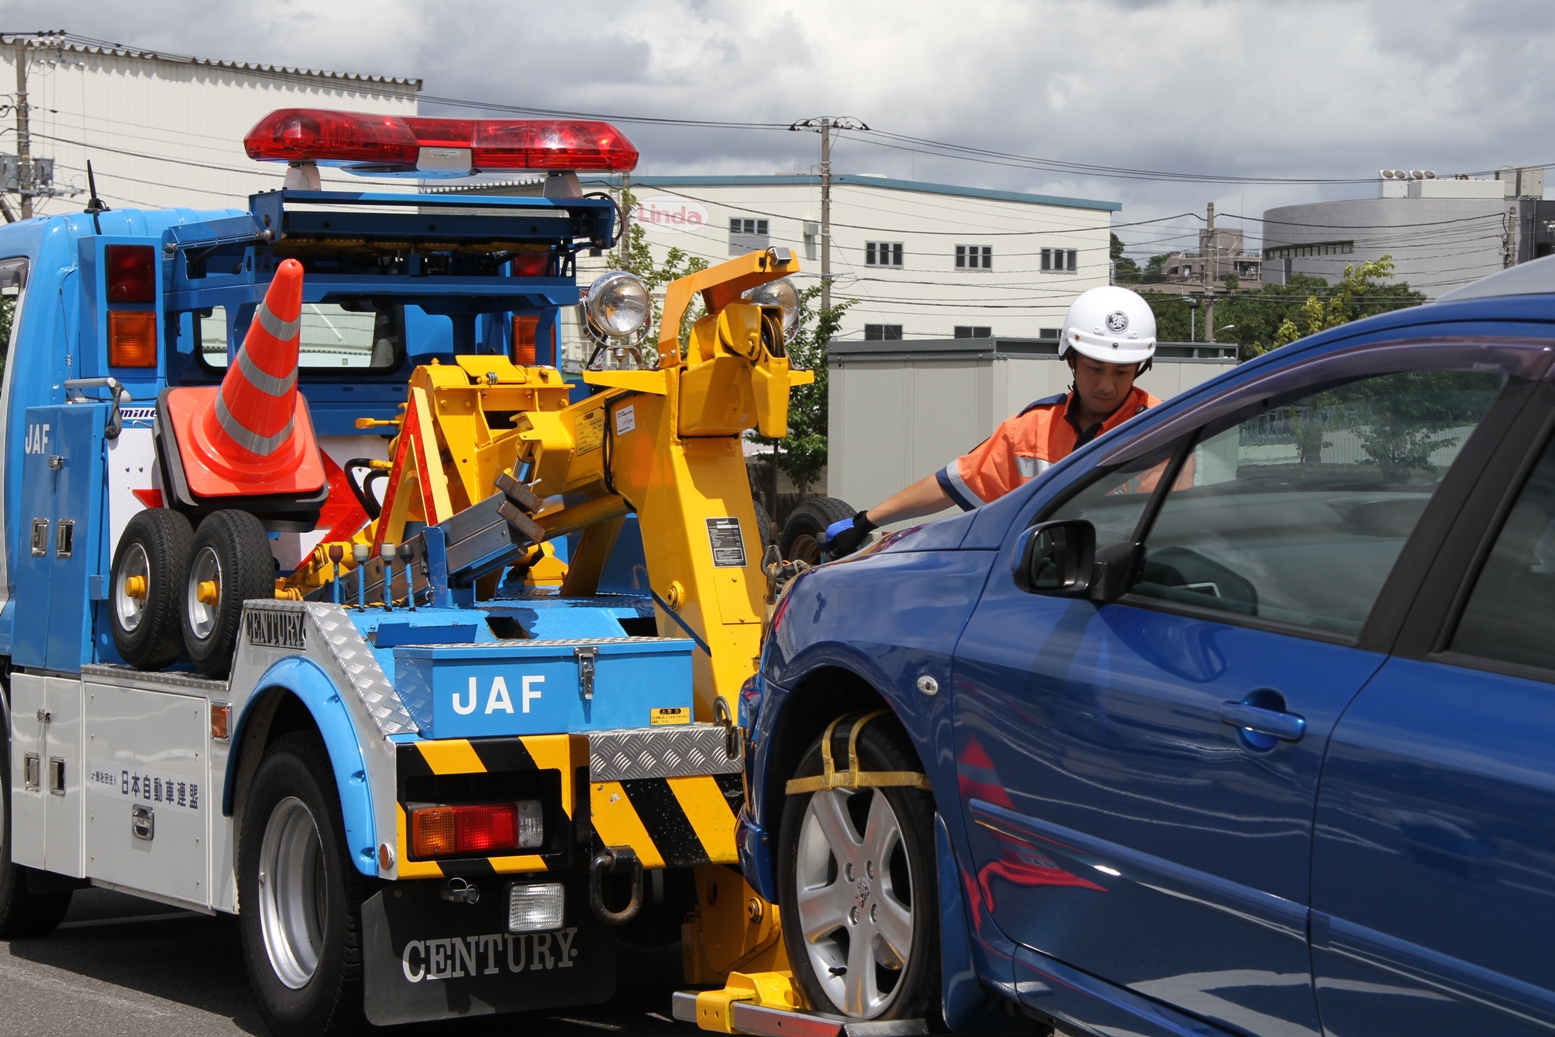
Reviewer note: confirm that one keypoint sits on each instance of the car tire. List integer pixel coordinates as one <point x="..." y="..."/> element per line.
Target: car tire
<point x="232" y="552"/>
<point x="150" y="566"/>
<point x="22" y="912"/>
<point x="301" y="896"/>
<point x="832" y="894"/>
<point x="801" y="539"/>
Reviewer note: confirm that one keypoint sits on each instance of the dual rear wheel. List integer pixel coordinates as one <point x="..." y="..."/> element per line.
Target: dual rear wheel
<point x="176" y="590"/>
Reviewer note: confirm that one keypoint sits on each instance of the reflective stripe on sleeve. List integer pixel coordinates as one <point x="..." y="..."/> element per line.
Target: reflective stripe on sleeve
<point x="949" y="479"/>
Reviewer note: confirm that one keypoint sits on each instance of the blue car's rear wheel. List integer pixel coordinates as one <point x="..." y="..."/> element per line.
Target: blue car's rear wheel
<point x="857" y="885"/>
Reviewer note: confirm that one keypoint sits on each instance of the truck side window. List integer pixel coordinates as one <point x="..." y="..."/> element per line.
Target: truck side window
<point x="13" y="280"/>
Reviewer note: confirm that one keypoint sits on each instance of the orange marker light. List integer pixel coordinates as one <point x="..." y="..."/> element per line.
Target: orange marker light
<point x="132" y="338"/>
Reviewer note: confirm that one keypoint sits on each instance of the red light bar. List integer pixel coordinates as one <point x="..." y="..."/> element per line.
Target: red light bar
<point x="431" y="147"/>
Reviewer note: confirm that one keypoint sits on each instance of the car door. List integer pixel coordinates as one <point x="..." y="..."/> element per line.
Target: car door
<point x="1433" y="882"/>
<point x="1139" y="774"/>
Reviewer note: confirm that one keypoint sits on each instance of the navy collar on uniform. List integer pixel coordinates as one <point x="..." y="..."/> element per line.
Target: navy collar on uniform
<point x="1082" y="435"/>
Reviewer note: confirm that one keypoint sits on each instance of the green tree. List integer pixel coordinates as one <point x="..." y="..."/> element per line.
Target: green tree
<point x="1124" y="269"/>
<point x="802" y="453"/>
<point x="1345" y="303"/>
<point x="1259" y="315"/>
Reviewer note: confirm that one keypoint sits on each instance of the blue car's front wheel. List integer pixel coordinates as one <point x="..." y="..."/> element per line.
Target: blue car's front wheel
<point x="857" y="884"/>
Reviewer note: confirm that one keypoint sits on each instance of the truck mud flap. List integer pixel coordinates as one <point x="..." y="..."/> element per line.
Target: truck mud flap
<point x="425" y="958"/>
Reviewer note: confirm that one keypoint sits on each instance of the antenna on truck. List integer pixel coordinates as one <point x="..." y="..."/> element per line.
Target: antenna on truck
<point x="94" y="204"/>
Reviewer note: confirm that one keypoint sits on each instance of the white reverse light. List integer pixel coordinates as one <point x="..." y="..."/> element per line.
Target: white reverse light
<point x="535" y="908"/>
<point x="531" y="824"/>
<point x="618" y="304"/>
<point x="782" y="294"/>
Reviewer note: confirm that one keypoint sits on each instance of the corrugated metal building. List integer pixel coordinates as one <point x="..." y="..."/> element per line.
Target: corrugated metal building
<point x="898" y="411"/>
<point x="167" y="130"/>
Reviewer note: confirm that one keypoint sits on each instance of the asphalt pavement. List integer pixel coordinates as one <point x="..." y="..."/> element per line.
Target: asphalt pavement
<point x="120" y="966"/>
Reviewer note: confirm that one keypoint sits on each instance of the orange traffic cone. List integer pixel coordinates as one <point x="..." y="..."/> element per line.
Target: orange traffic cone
<point x="252" y="436"/>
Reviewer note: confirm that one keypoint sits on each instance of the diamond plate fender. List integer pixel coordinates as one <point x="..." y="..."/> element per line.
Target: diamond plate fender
<point x="323" y="634"/>
<point x="664" y="752"/>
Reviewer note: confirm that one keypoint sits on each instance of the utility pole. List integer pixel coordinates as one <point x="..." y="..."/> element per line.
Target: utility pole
<point x="626" y="219"/>
<point x="23" y="135"/>
<point x="825" y="125"/>
<point x="1209" y="289"/>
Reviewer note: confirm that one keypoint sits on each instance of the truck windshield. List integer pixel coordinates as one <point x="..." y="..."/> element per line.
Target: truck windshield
<point x="333" y="338"/>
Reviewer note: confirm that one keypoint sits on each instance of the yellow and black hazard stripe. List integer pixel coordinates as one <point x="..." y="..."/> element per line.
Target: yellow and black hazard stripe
<point x="568" y="755"/>
<point x="670" y="822"/>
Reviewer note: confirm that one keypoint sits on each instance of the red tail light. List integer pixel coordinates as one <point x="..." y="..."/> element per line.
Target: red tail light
<point x="350" y="138"/>
<point x="132" y="273"/>
<point x="531" y="264"/>
<point x="441" y="831"/>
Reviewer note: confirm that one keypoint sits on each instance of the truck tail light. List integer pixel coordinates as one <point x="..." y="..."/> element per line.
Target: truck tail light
<point x="132" y="338"/>
<point x="485" y="828"/>
<point x="531" y="264"/>
<point x="524" y="340"/>
<point x="132" y="273"/>
<point x="390" y="143"/>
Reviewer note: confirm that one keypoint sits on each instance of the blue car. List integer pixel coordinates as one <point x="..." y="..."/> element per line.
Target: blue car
<point x="1239" y="720"/>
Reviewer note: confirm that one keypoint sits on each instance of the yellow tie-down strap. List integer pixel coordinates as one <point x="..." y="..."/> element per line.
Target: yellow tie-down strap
<point x="853" y="778"/>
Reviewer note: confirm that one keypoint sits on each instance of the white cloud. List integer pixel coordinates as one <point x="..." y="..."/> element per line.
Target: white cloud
<point x="1321" y="88"/>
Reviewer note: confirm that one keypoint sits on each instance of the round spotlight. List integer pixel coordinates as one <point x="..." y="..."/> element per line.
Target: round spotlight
<point x="618" y="304"/>
<point x="782" y="294"/>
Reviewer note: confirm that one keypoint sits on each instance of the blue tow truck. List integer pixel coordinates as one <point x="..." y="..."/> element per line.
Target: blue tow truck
<point x="433" y="768"/>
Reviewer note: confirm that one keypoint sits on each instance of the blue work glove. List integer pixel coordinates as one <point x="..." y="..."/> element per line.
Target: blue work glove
<point x="844" y="536"/>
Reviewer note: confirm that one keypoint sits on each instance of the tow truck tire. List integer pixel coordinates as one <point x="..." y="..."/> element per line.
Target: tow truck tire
<point x="301" y="897"/>
<point x="878" y="884"/>
<point x="231" y="550"/>
<point x="150" y="566"/>
<point x="22" y="912"/>
<point x="766" y="529"/>
<point x="801" y="539"/>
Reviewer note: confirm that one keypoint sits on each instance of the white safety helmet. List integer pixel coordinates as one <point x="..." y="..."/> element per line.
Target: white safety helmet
<point x="1110" y="324"/>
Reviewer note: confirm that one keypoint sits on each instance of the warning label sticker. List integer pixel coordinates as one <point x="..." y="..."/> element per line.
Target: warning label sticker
<point x="626" y="419"/>
<point x="590" y="430"/>
<point x="728" y="542"/>
<point x="669" y="715"/>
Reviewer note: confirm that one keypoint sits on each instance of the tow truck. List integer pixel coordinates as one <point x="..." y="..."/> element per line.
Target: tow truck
<point x="331" y="604"/>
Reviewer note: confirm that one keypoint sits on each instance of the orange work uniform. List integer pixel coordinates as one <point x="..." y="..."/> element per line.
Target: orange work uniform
<point x="1045" y="432"/>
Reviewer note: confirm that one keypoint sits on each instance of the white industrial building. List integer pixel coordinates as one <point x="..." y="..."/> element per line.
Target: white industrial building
<point x="1442" y="232"/>
<point x="166" y="130"/>
<point x="922" y="260"/>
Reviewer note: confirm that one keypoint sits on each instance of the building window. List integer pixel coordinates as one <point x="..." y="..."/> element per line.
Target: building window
<point x="1316" y="248"/>
<point x="1061" y="260"/>
<point x="974" y="257"/>
<point x="747" y="236"/>
<point x="1050" y="333"/>
<point x="882" y="253"/>
<point x="882" y="333"/>
<point x="973" y="331"/>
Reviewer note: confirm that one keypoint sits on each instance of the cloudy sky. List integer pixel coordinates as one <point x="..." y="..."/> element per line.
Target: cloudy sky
<point x="1321" y="91"/>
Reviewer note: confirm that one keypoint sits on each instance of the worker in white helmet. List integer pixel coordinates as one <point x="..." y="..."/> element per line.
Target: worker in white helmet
<point x="1109" y="341"/>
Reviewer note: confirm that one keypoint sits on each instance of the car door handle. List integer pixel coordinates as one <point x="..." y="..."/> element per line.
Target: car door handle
<point x="1287" y="727"/>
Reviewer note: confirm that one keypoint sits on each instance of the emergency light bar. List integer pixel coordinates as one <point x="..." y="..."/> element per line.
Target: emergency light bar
<point x="365" y="143"/>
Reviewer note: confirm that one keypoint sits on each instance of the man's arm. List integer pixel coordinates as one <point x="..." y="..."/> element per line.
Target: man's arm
<point x="924" y="497"/>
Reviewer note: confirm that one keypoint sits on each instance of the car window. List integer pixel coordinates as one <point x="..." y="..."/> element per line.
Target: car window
<point x="1115" y="502"/>
<point x="1510" y="615"/>
<point x="1296" y="514"/>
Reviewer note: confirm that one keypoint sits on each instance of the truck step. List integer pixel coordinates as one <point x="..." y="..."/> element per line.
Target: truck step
<point x="749" y="1017"/>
